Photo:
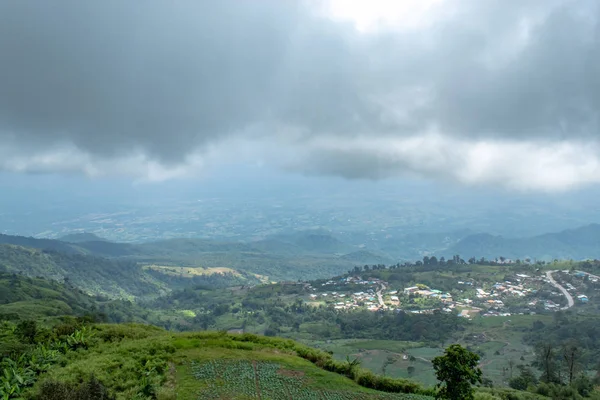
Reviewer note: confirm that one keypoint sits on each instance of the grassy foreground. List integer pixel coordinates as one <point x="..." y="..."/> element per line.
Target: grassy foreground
<point x="142" y="362"/>
<point x="76" y="361"/>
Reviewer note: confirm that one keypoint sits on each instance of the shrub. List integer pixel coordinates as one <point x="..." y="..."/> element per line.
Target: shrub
<point x="91" y="389"/>
<point x="26" y="331"/>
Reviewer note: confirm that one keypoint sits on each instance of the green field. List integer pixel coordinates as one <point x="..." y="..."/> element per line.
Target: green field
<point x="498" y="340"/>
<point x="251" y="379"/>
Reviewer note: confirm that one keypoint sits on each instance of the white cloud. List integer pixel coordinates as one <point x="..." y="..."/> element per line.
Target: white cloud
<point x="477" y="92"/>
<point x="548" y="166"/>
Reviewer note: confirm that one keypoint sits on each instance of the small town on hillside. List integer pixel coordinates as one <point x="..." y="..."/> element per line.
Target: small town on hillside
<point x="546" y="291"/>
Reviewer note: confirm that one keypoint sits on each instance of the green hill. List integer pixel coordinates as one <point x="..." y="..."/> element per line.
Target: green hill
<point x="45" y="244"/>
<point x="23" y="298"/>
<point x="81" y="237"/>
<point x="143" y="362"/>
<point x="365" y="257"/>
<point x="310" y="258"/>
<point x="114" y="278"/>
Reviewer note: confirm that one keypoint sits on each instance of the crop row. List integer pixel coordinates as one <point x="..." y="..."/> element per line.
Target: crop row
<point x="245" y="379"/>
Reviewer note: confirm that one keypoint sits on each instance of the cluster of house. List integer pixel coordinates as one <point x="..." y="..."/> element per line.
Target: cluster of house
<point x="366" y="298"/>
<point x="486" y="300"/>
<point x="582" y="298"/>
<point x="424" y="291"/>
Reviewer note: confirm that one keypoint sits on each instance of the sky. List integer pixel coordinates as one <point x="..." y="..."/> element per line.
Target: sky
<point x="491" y="93"/>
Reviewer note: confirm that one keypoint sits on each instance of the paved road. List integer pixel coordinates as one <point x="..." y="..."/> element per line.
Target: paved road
<point x="570" y="301"/>
<point x="380" y="297"/>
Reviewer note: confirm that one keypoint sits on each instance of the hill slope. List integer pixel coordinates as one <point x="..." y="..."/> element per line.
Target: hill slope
<point x="95" y="275"/>
<point x="46" y="244"/>
<point x="24" y="297"/>
<point x="210" y="365"/>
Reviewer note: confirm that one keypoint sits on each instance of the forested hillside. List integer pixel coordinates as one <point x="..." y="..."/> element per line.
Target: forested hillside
<point x="114" y="278"/>
<point x="23" y="298"/>
<point x="308" y="259"/>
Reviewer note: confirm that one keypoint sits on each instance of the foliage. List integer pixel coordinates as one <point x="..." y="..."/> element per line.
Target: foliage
<point x="457" y="370"/>
<point x="91" y="389"/>
<point x="26" y="331"/>
<point x="524" y="380"/>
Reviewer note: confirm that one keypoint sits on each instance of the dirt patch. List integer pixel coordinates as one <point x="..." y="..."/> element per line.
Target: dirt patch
<point x="291" y="374"/>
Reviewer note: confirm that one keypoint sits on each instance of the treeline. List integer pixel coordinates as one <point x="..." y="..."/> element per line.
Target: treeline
<point x="567" y="329"/>
<point x="432" y="263"/>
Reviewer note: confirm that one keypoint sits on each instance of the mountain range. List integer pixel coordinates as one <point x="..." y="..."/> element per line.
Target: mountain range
<point x="125" y="270"/>
<point x="578" y="244"/>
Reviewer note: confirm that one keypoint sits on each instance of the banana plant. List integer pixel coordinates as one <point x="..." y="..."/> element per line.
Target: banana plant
<point x="79" y="338"/>
<point x="14" y="380"/>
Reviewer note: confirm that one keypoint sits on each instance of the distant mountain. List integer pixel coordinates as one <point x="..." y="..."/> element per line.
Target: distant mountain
<point x="279" y="247"/>
<point x="302" y="255"/>
<point x="190" y="247"/>
<point x="81" y="237"/>
<point x="109" y="249"/>
<point x="315" y="242"/>
<point x="413" y="245"/>
<point x="43" y="244"/>
<point x="578" y="244"/>
<point x="366" y="257"/>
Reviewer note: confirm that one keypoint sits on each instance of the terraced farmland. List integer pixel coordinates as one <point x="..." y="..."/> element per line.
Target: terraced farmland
<point x="243" y="379"/>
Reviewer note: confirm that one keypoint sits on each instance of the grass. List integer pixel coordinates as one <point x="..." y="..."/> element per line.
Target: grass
<point x="132" y="359"/>
<point x="499" y="339"/>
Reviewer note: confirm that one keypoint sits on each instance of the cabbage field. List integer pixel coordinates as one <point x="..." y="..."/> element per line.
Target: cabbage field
<point x="242" y="379"/>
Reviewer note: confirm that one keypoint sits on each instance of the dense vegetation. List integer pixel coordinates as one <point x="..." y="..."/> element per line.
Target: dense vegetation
<point x="287" y="258"/>
<point x="116" y="278"/>
<point x="39" y="317"/>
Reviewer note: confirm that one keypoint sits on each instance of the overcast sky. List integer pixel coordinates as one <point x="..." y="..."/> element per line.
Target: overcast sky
<point x="495" y="92"/>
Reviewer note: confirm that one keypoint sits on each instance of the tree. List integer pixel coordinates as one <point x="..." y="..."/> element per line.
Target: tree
<point x="457" y="371"/>
<point x="526" y="378"/>
<point x="571" y="355"/>
<point x="511" y="364"/>
<point x="546" y="362"/>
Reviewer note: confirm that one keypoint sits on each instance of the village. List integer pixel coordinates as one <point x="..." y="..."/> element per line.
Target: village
<point x="542" y="292"/>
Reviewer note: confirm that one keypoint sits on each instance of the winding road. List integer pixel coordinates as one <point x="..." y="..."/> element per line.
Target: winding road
<point x="570" y="301"/>
<point x="380" y="297"/>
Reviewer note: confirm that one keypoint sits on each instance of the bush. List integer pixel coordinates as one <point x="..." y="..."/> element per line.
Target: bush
<point x="26" y="331"/>
<point x="92" y="389"/>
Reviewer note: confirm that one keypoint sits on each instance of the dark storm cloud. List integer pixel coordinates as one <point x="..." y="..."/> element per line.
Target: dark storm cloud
<point x="167" y="79"/>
